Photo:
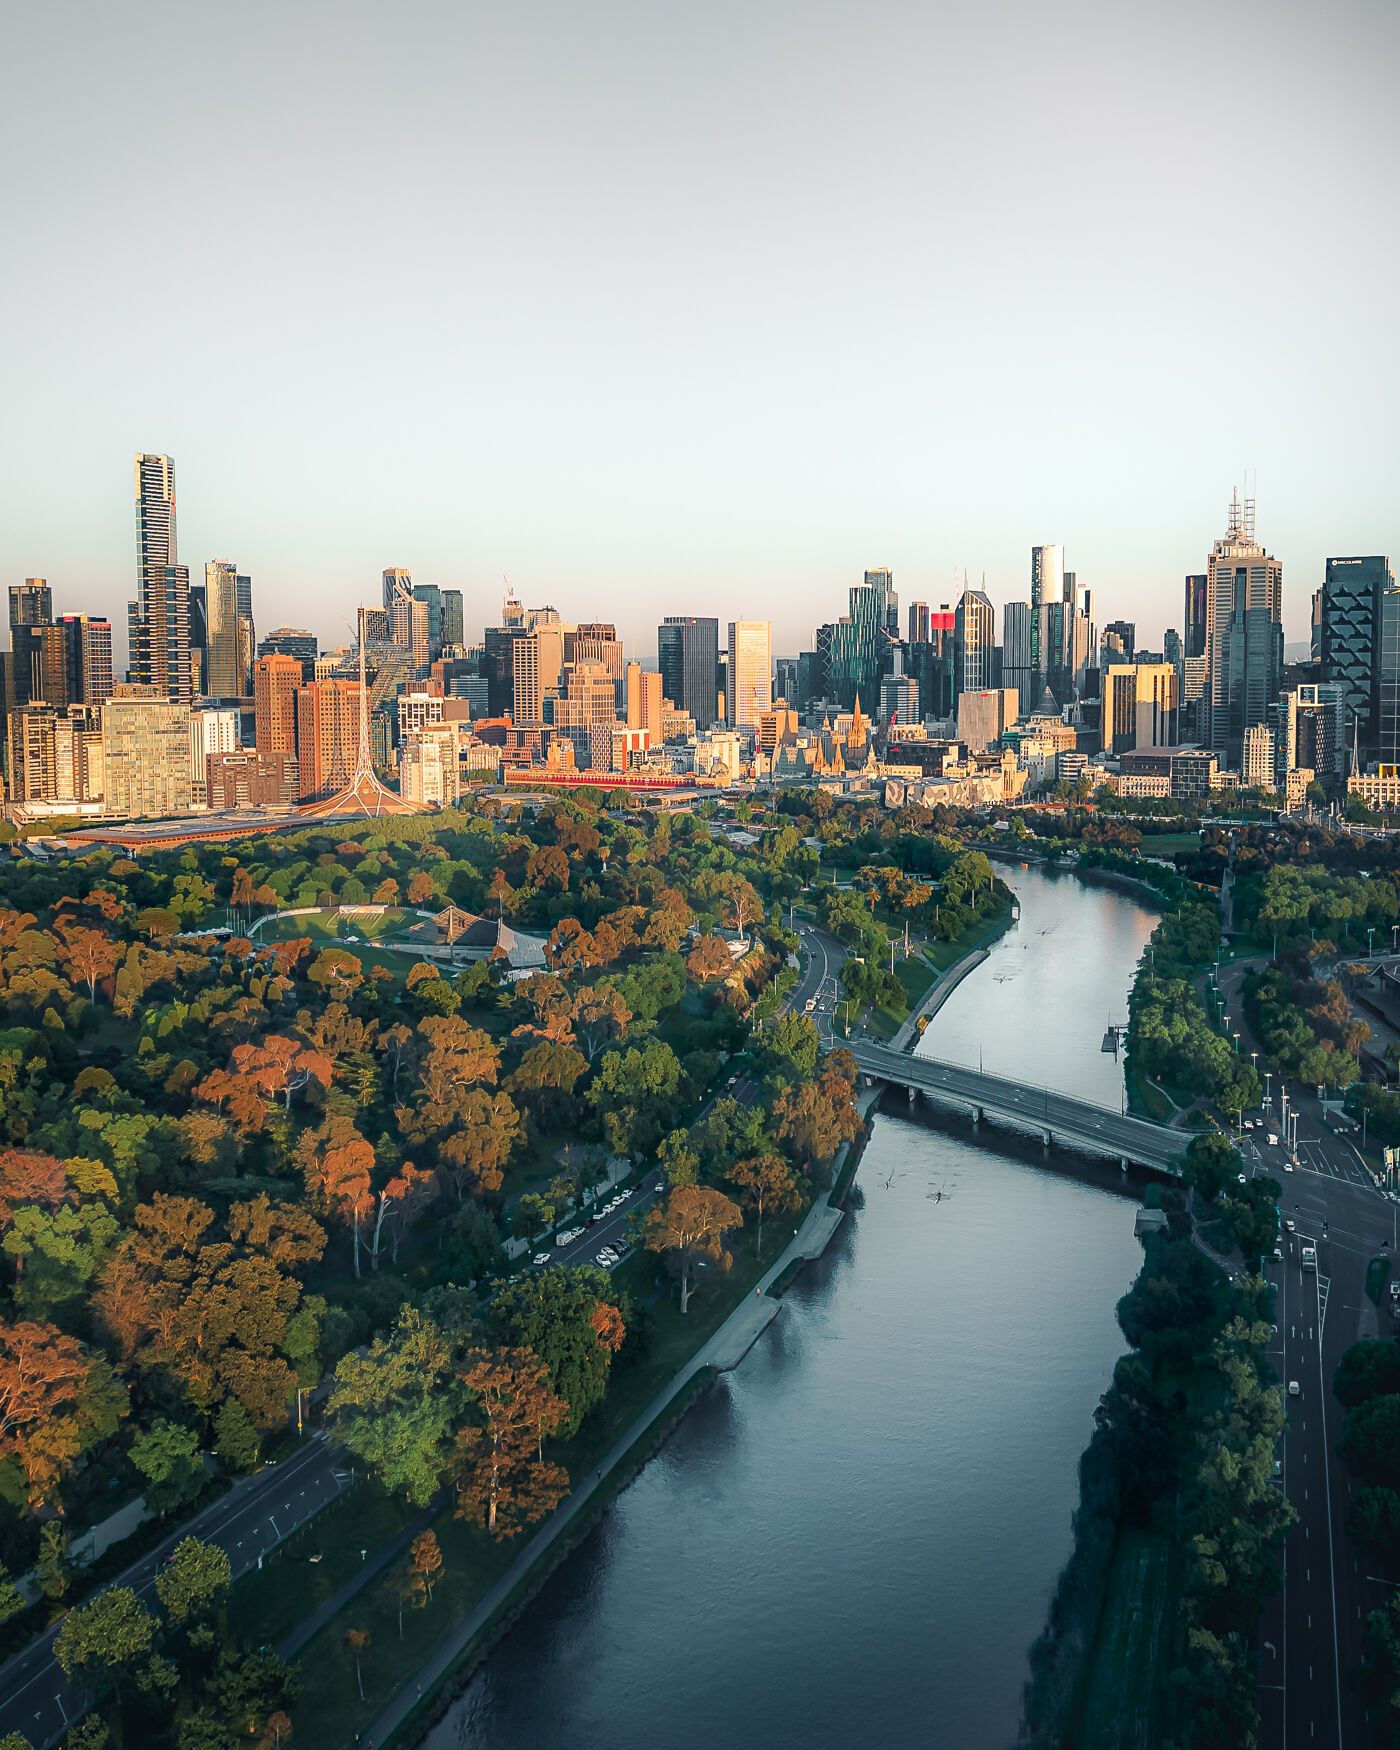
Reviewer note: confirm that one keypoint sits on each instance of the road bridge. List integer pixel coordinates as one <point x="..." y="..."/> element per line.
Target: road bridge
<point x="1057" y="1118"/>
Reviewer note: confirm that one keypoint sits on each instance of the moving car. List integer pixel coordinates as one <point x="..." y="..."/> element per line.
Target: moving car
<point x="540" y="1258"/>
<point x="1294" y="1389"/>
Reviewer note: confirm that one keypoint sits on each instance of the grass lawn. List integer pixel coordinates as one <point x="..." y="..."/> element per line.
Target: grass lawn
<point x="917" y="975"/>
<point x="943" y="954"/>
<point x="1124" y="1706"/>
<point x="1146" y="1098"/>
<point x="1167" y="844"/>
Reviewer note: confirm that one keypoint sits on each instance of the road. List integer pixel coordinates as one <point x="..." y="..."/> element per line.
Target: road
<point x="1076" y="1123"/>
<point x="1313" y="1635"/>
<point x="253" y="1518"/>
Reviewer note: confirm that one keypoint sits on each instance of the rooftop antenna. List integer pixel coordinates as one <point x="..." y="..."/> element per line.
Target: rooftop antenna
<point x="1355" y="733"/>
<point x="1249" y="506"/>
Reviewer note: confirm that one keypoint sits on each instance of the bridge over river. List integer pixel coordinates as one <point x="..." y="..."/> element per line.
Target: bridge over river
<point x="1057" y="1118"/>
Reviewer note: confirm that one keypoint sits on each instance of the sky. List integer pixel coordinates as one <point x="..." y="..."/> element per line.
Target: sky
<point x="652" y="308"/>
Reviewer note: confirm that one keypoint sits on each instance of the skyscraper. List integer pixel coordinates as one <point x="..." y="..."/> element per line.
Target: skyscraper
<point x="918" y="622"/>
<point x="644" y="701"/>
<point x="145" y="751"/>
<point x="158" y="622"/>
<point x="1194" y="638"/>
<point x="452" y="617"/>
<point x="1047" y="588"/>
<point x="749" y="685"/>
<point x="89" y="640"/>
<point x="276" y="681"/>
<point x="1244" y="636"/>
<point x="431" y="596"/>
<point x="1016" y="668"/>
<point x="687" y="651"/>
<point x="228" y="607"/>
<point x="397" y="582"/>
<point x="974" y="637"/>
<point x="1349" y="627"/>
<point x="31" y="603"/>
<point x="539" y="665"/>
<point x="855" y="649"/>
<point x="328" y="735"/>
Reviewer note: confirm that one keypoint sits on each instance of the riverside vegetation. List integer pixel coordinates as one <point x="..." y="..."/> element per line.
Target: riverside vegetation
<point x="242" y="1177"/>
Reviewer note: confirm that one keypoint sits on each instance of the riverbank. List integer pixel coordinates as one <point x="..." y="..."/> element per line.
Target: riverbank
<point x="1129" y="884"/>
<point x="427" y="1693"/>
<point x="909" y="1029"/>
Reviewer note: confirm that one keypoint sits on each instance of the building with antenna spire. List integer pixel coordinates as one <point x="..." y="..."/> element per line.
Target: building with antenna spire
<point x="1244" y="636"/>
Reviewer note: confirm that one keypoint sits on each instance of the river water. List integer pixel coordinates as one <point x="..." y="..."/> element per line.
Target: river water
<point x="852" y="1539"/>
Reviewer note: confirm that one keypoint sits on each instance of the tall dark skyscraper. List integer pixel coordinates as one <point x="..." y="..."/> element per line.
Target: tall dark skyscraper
<point x="1193" y="639"/>
<point x="1348" y="641"/>
<point x="158" y="623"/>
<point x="31" y="603"/>
<point x="687" y="652"/>
<point x="452" y="617"/>
<point x="89" y="650"/>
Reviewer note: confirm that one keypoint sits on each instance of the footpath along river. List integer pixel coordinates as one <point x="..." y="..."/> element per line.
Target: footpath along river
<point x="854" y="1538"/>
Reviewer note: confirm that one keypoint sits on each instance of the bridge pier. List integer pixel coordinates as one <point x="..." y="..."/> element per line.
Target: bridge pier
<point x="911" y="1096"/>
<point x="1045" y="1140"/>
<point x="976" y="1116"/>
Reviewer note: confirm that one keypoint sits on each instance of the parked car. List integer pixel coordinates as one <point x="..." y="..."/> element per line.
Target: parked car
<point x="540" y="1258"/>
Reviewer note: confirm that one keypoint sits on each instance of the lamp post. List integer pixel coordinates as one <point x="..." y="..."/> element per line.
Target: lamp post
<point x="1370" y="941"/>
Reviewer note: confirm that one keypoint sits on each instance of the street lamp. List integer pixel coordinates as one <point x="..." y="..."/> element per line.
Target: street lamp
<point x="1370" y="940"/>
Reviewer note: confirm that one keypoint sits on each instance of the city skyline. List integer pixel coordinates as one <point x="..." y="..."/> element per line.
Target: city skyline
<point x="671" y="319"/>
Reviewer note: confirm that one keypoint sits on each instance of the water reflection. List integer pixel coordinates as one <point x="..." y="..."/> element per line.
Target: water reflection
<point x="1037" y="1009"/>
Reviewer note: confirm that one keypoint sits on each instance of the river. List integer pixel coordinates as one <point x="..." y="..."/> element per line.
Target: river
<point x="854" y="1537"/>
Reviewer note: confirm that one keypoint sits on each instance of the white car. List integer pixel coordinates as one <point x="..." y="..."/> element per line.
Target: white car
<point x="540" y="1258"/>
<point x="606" y="1259"/>
<point x="1294" y="1389"/>
<point x="1273" y="1142"/>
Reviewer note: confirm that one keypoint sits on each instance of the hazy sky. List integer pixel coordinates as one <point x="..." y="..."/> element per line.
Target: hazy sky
<point x="658" y="308"/>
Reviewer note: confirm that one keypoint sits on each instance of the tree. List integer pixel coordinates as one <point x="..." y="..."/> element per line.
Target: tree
<point x="42" y="1373"/>
<point x="168" y="1457"/>
<point x="709" y="959"/>
<point x="195" y="1579"/>
<point x="339" y="1174"/>
<point x="1367" y="1370"/>
<point x="815" y="1120"/>
<point x="503" y="1482"/>
<point x="545" y="1079"/>
<point x="475" y="1154"/>
<point x="689" y="1228"/>
<point x="1370" y="1442"/>
<point x="105" y="1639"/>
<point x="1373" y="1523"/>
<point x="425" y="1561"/>
<point x="420" y="889"/>
<point x="766" y="1182"/>
<point x="11" y="1598"/>
<point x="788" y="1047"/>
<point x="1212" y="1161"/>
<point x="555" y="1315"/>
<point x="395" y="1408"/>
<point x="636" y="1094"/>
<point x="53" y="1567"/>
<point x="600" y="1015"/>
<point x="357" y="1644"/>
<point x="235" y="1438"/>
<point x="277" y="1732"/>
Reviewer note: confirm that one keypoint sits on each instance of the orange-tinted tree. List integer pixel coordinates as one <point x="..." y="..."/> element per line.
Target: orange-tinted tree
<point x="765" y="1183"/>
<point x="503" y="1482"/>
<point x="689" y="1230"/>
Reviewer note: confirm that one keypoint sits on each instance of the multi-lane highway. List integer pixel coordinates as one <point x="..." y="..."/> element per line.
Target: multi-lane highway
<point x="37" y="1700"/>
<point x="1313" y="1635"/>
